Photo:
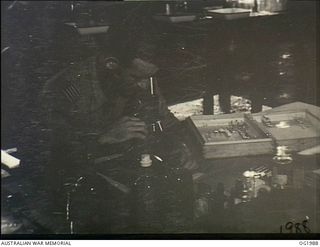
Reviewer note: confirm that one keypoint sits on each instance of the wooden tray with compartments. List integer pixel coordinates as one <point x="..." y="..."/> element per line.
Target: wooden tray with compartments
<point x="298" y="130"/>
<point x="241" y="134"/>
<point x="222" y="136"/>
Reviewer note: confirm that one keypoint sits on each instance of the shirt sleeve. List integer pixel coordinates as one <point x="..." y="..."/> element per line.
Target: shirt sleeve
<point x="69" y="133"/>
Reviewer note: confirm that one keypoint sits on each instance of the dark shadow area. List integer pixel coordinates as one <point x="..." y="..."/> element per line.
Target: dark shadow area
<point x="270" y="60"/>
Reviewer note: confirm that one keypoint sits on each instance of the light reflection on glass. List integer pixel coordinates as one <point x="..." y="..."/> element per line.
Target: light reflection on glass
<point x="282" y="156"/>
<point x="283" y="125"/>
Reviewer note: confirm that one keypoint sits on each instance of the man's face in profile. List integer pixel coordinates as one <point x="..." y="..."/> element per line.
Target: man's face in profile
<point x="135" y="78"/>
<point x="132" y="84"/>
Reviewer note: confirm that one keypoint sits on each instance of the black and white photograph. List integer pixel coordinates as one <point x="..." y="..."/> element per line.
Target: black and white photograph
<point x="196" y="119"/>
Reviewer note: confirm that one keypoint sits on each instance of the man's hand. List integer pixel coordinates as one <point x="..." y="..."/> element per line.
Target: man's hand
<point x="125" y="129"/>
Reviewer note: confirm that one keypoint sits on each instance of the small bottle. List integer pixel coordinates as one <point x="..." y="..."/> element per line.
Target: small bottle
<point x="282" y="170"/>
<point x="236" y="193"/>
<point x="145" y="160"/>
<point x="203" y="201"/>
<point x="261" y="5"/>
<point x="255" y="6"/>
<point x="146" y="200"/>
<point x="185" y="6"/>
<point x="220" y="197"/>
<point x="179" y="199"/>
<point x="168" y="10"/>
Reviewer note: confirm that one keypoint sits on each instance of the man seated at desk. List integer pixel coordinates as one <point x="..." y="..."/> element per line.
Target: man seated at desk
<point x="95" y="119"/>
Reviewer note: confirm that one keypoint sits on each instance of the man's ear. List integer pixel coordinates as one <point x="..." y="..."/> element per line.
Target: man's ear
<point x="111" y="63"/>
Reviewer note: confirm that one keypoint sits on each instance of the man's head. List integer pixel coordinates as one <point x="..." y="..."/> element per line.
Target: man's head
<point x="124" y="72"/>
<point x="136" y="75"/>
<point x="124" y="79"/>
<point x="126" y="59"/>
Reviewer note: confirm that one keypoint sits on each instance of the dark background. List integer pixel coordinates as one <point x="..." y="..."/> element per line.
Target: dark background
<point x="194" y="58"/>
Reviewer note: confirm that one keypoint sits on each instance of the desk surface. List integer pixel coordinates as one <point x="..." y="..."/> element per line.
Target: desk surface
<point x="266" y="213"/>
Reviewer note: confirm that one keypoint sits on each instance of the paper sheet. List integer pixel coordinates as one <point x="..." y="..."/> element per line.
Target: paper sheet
<point x="9" y="160"/>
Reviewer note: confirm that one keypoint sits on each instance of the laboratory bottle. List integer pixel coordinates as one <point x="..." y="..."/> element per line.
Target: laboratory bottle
<point x="282" y="169"/>
<point x="178" y="195"/>
<point x="147" y="187"/>
<point x="204" y="200"/>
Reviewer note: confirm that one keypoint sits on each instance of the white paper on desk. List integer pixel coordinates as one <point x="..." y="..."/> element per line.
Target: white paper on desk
<point x="93" y="30"/>
<point x="4" y="173"/>
<point x="311" y="151"/>
<point x="9" y="160"/>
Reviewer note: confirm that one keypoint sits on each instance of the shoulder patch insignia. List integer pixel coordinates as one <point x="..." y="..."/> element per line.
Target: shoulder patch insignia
<point x="72" y="93"/>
